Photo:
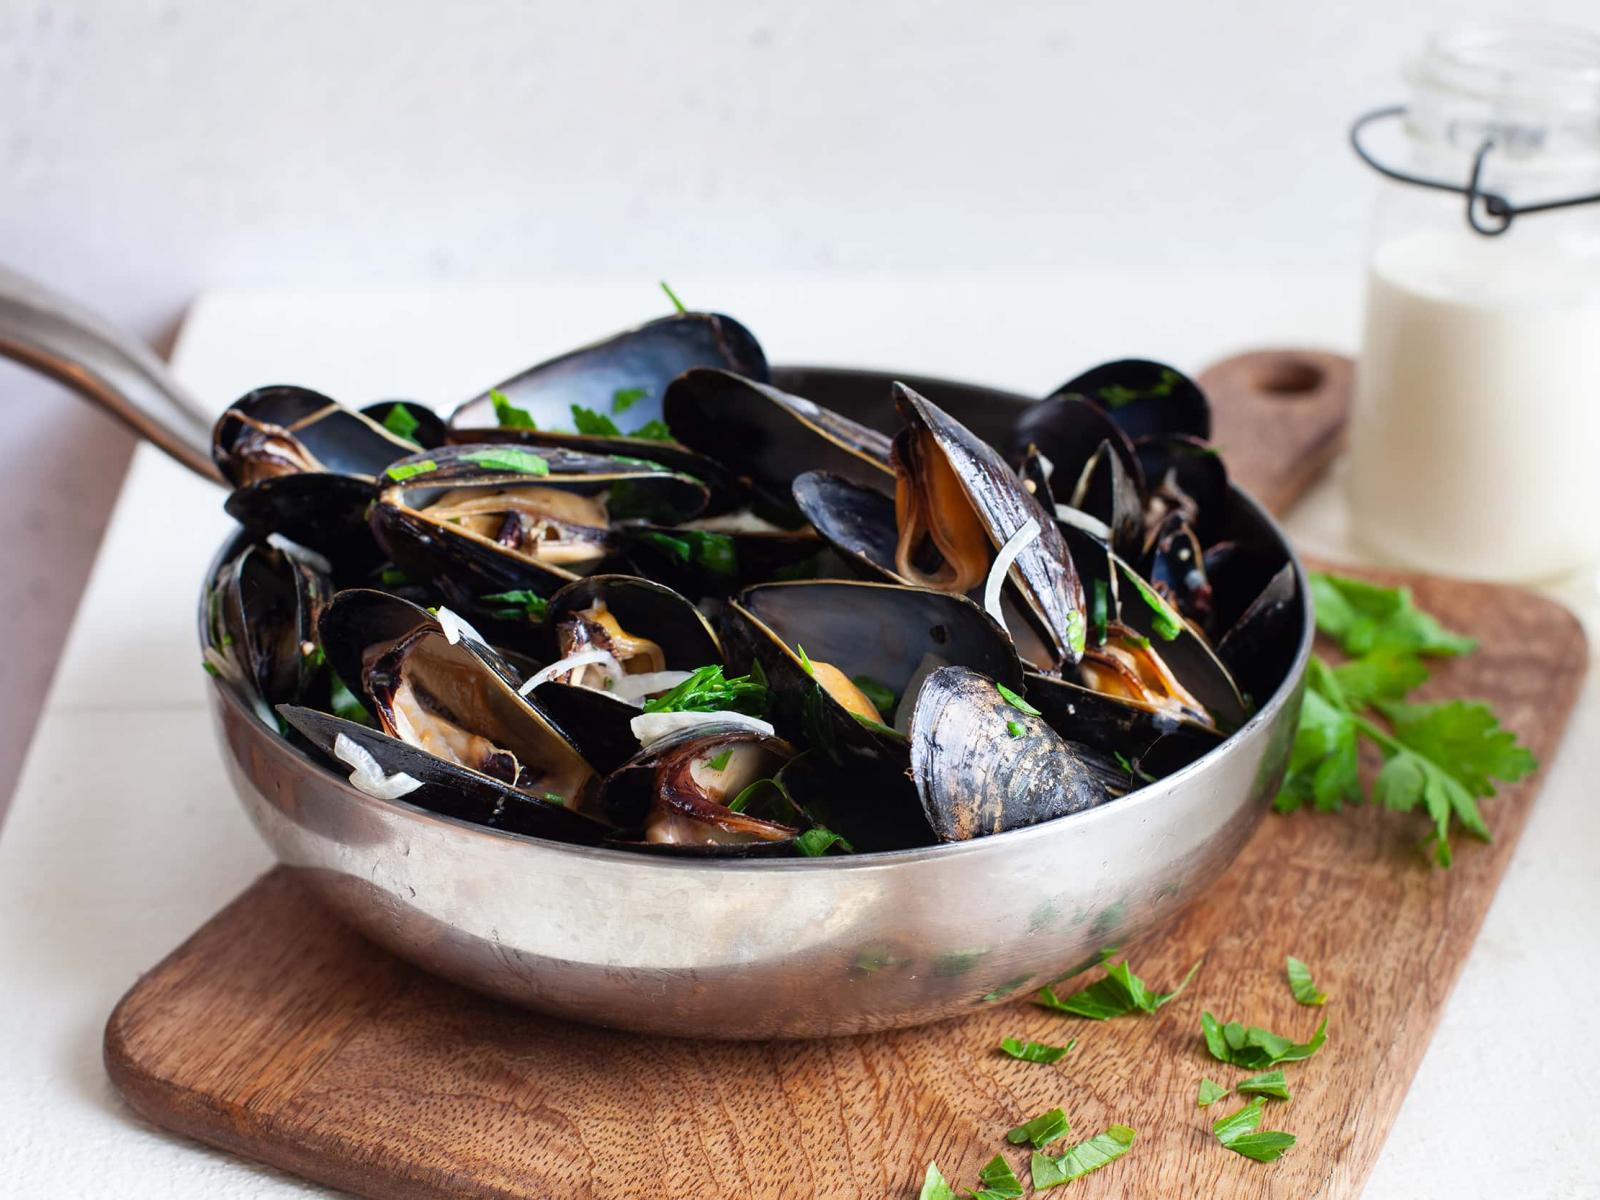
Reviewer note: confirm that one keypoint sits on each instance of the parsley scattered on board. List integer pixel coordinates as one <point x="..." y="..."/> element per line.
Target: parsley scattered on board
<point x="1300" y="982"/>
<point x="1209" y="1094"/>
<point x="1038" y="1052"/>
<point x="1254" y="1047"/>
<point x="1079" y="1160"/>
<point x="1441" y="756"/>
<point x="1268" y="1083"/>
<point x="1241" y="1133"/>
<point x="1041" y="1131"/>
<point x="1119" y="993"/>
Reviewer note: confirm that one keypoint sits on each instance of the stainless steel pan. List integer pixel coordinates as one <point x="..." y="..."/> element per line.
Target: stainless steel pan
<point x="723" y="948"/>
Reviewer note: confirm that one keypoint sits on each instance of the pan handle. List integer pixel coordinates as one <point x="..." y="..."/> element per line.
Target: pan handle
<point x="122" y="375"/>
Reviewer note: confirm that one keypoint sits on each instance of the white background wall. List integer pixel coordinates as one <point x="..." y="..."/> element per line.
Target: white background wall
<point x="150" y="149"/>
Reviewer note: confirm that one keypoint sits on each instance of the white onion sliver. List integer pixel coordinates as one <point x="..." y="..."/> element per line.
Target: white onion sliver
<point x="365" y="773"/>
<point x="1046" y="467"/>
<point x="304" y="553"/>
<point x="1079" y="519"/>
<point x="454" y="625"/>
<point x="1015" y="545"/>
<point x="561" y="666"/>
<point x="651" y="728"/>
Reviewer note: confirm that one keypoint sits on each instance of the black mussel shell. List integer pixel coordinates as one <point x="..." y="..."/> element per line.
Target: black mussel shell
<point x="446" y="788"/>
<point x="265" y="604"/>
<point x="1108" y="492"/>
<point x="1174" y="564"/>
<point x="716" y="562"/>
<point x="976" y="777"/>
<point x="1035" y="471"/>
<point x="1185" y="475"/>
<point x="1115" y="726"/>
<point x="1259" y="649"/>
<point x="1043" y="573"/>
<point x="323" y="512"/>
<point x="642" y="608"/>
<point x="1144" y="397"/>
<point x="873" y="807"/>
<point x="857" y="521"/>
<point x="411" y="421"/>
<point x="656" y="793"/>
<point x="1067" y="430"/>
<point x="630" y="369"/>
<point x="286" y="430"/>
<point x="765" y="437"/>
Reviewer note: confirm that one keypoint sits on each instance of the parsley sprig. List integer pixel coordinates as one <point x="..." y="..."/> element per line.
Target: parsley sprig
<point x="707" y="690"/>
<point x="1442" y="757"/>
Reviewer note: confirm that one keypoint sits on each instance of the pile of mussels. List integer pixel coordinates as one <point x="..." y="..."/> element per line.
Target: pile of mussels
<point x="751" y="624"/>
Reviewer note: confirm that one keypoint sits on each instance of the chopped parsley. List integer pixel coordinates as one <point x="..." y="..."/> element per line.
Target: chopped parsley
<point x="392" y="577"/>
<point x="1016" y="701"/>
<point x="592" y="424"/>
<point x="715" y="552"/>
<point x="1440" y="757"/>
<point x="517" y="605"/>
<point x="509" y="458"/>
<point x="720" y="761"/>
<point x="1041" y="1131"/>
<point x="877" y="726"/>
<point x="880" y="695"/>
<point x="506" y="414"/>
<point x="1099" y="610"/>
<point x="673" y="296"/>
<point x="399" y="421"/>
<point x="1035" y="1052"/>
<point x="1121" y="992"/>
<point x="210" y="668"/>
<point x="1268" y="1083"/>
<point x="401" y="472"/>
<point x="1015" y="728"/>
<point x="653" y="431"/>
<point x="1118" y="395"/>
<point x="342" y="701"/>
<point x="707" y="690"/>
<point x="751" y="791"/>
<point x="1209" y="1094"/>
<point x="1254" y="1047"/>
<point x="1081" y="1159"/>
<point x="818" y="840"/>
<point x="1239" y="1133"/>
<point x="997" y="1181"/>
<point x="1166" y="623"/>
<point x="1300" y="982"/>
<point x="555" y="798"/>
<point x="935" y="1186"/>
<point x="625" y="398"/>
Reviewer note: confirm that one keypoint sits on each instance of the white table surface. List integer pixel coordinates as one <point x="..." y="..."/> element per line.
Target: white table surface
<point x="123" y="836"/>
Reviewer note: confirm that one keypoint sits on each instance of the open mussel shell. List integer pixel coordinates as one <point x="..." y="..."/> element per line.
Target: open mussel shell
<point x="325" y="513"/>
<point x="1158" y="743"/>
<point x="286" y="430"/>
<point x="1108" y="492"/>
<point x="497" y="518"/>
<point x="1174" y="564"/>
<point x="857" y="521"/>
<point x="856" y="639"/>
<point x="262" y="628"/>
<point x="766" y="437"/>
<point x="1144" y="397"/>
<point x="975" y="777"/>
<point x="636" y="364"/>
<point x="1068" y="430"/>
<point x="718" y="562"/>
<point x="446" y="789"/>
<point x="957" y="504"/>
<point x="676" y="793"/>
<point x="455" y="699"/>
<point x="1186" y="475"/>
<point x="409" y="420"/>
<point x="1259" y="648"/>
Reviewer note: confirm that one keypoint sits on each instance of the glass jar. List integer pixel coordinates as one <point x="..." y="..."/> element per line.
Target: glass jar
<point x="1475" y="435"/>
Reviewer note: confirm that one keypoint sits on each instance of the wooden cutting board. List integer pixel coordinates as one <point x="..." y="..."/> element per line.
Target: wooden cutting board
<point x="276" y="1033"/>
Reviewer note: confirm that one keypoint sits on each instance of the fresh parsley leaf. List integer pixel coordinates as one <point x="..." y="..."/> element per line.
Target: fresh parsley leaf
<point x="935" y="1186"/>
<point x="210" y="668"/>
<point x="1381" y="675"/>
<point x="878" y="727"/>
<point x="1016" y="728"/>
<point x="1238" y="1132"/>
<point x="1041" y="1131"/>
<point x="997" y="1181"/>
<point x="517" y="605"/>
<point x="1166" y="623"/>
<point x="882" y="698"/>
<point x="592" y="424"/>
<point x="399" y="421"/>
<point x="818" y="840"/>
<point x="1016" y="701"/>
<point x="342" y="701"/>
<point x="1081" y="1159"/>
<point x="506" y="414"/>
<point x="715" y="552"/>
<point x="707" y="690"/>
<point x="1099" y="610"/>
<point x="673" y="296"/>
<point x="509" y="458"/>
<point x="653" y="431"/>
<point x="393" y="577"/>
<point x="625" y="398"/>
<point x="721" y="760"/>
<point x="401" y="472"/>
<point x="1363" y="617"/>
<point x="1119" y="993"/>
<point x="555" y="798"/>
<point x="1037" y="1052"/>
<point x="1268" y="1083"/>
<point x="1324" y="763"/>
<point x="1209" y="1093"/>
<point x="805" y="660"/>
<point x="1300" y="982"/>
<point x="1256" y="1048"/>
<point x="750" y="792"/>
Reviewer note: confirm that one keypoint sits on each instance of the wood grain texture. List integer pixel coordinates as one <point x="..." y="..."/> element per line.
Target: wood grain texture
<point x="1278" y="417"/>
<point x="277" y="1033"/>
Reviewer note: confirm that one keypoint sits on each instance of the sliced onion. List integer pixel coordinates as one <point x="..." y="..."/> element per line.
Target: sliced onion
<point x="1079" y="519"/>
<point x="367" y="776"/>
<point x="561" y="666"/>
<point x="304" y="553"/>
<point x="1046" y="467"/>
<point x="651" y="728"/>
<point x="454" y="625"/>
<point x="634" y="688"/>
<point x="1015" y="545"/>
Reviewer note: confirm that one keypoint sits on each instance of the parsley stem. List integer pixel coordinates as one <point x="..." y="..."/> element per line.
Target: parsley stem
<point x="1377" y="733"/>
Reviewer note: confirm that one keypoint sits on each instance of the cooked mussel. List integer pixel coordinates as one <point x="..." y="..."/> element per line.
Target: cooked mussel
<point x="687" y="793"/>
<point x="981" y="766"/>
<point x="623" y="376"/>
<point x="1067" y="430"/>
<point x="1144" y="398"/>
<point x="431" y="683"/>
<point x="497" y="518"/>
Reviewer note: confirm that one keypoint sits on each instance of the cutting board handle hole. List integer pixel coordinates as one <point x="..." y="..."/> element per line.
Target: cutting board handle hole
<point x="1287" y="378"/>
